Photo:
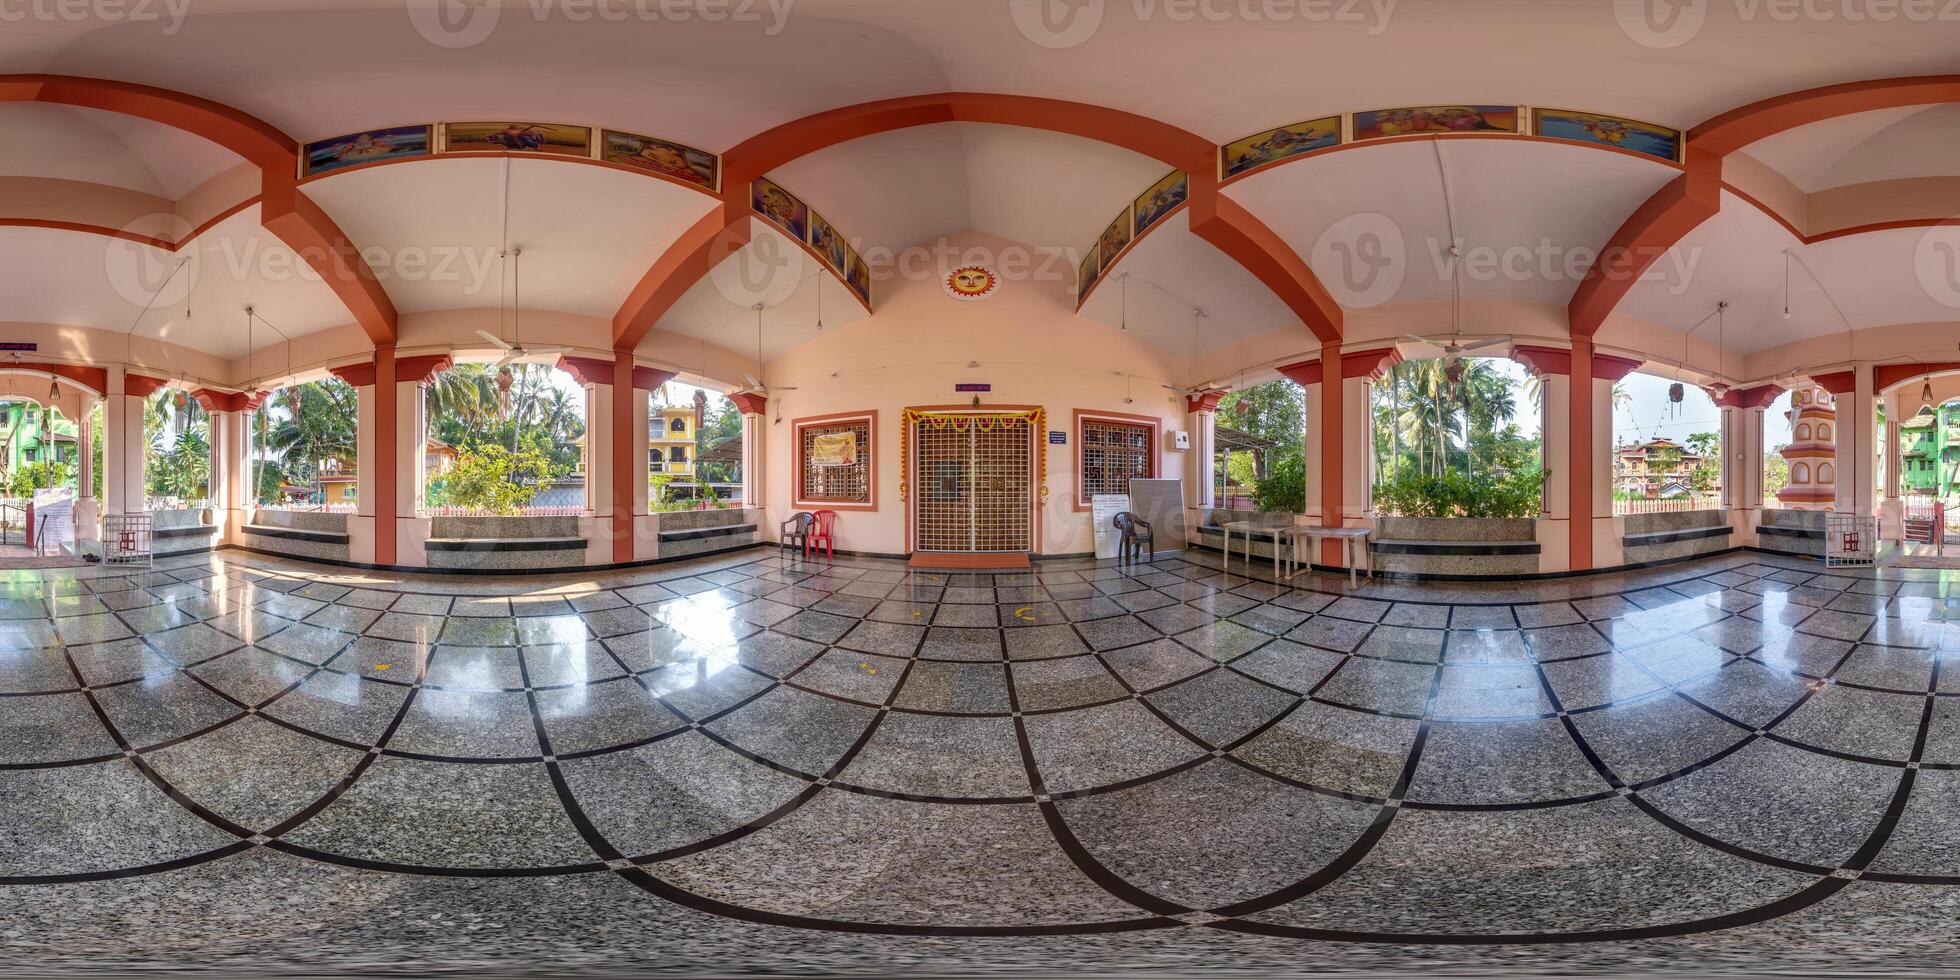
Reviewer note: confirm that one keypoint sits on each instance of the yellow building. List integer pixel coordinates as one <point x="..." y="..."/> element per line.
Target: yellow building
<point x="670" y="440"/>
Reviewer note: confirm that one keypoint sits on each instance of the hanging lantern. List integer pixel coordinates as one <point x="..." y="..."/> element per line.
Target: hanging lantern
<point x="1242" y="407"/>
<point x="1926" y="391"/>
<point x="1453" y="368"/>
<point x="1675" y="392"/>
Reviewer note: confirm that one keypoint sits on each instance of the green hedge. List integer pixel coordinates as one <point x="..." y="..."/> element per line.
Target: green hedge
<point x="1456" y="495"/>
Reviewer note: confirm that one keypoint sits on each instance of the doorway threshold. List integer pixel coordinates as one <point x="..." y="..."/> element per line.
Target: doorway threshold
<point x="968" y="561"/>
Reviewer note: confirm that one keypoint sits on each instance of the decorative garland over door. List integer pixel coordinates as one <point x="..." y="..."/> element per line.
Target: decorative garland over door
<point x="1035" y="419"/>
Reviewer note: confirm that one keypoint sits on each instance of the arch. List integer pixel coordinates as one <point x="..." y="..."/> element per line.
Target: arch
<point x="284" y="211"/>
<point x="1695" y="196"/>
<point x="1825" y="474"/>
<point x="1824" y="432"/>
<point x="94" y="380"/>
<point x="1802" y="433"/>
<point x="1225" y="224"/>
<point x="1799" y="472"/>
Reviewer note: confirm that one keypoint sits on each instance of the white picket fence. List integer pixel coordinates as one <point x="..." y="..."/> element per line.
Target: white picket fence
<point x="1667" y="505"/>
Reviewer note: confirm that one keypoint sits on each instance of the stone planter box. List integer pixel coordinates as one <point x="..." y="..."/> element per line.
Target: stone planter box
<point x="1456" y="546"/>
<point x="505" y="542"/>
<point x="300" y="533"/>
<point x="182" y="532"/>
<point x="697" y="532"/>
<point x="1681" y="534"/>
<point x="1792" y="532"/>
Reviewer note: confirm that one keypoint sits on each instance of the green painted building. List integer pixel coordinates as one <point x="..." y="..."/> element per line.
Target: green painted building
<point x="27" y="437"/>
<point x="1929" y="451"/>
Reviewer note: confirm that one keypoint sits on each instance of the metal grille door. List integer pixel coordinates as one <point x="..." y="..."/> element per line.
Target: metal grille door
<point x="975" y="487"/>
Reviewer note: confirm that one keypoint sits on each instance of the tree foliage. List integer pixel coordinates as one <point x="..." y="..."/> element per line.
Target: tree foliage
<point x="492" y="479"/>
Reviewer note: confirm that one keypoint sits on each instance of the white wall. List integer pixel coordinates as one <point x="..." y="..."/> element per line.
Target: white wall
<point x="1028" y="344"/>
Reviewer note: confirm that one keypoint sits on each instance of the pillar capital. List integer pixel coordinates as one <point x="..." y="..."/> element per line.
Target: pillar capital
<point x="750" y="402"/>
<point x="359" y="374"/>
<point x="418" y="370"/>
<point x="588" y="370"/>
<point x="1206" y="401"/>
<point x="141" y="385"/>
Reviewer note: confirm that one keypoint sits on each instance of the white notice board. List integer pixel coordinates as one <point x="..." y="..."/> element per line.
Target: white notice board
<point x="1103" y="508"/>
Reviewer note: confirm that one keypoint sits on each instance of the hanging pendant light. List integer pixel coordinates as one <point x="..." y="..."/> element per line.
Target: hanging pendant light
<point x="1926" y="390"/>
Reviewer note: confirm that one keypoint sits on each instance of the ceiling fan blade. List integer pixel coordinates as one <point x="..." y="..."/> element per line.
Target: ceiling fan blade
<point x="510" y="354"/>
<point x="1479" y="345"/>
<point x="751" y="379"/>
<point x="780" y="388"/>
<point x="1431" y="341"/>
<point x="494" y="339"/>
<point x="545" y="351"/>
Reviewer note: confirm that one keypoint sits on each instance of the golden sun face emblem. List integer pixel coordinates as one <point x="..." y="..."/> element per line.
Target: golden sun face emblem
<point x="971" y="282"/>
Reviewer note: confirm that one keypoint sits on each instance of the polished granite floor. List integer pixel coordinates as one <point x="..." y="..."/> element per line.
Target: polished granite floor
<point x="236" y="763"/>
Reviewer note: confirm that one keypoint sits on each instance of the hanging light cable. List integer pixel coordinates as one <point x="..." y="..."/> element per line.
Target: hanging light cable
<point x="1124" y="299"/>
<point x="1786" y="284"/>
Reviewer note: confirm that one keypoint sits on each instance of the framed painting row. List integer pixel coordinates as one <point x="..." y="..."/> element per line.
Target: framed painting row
<point x="651" y="154"/>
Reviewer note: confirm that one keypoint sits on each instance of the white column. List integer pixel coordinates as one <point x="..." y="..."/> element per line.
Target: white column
<point x="1315" y="450"/>
<point x="1731" y="446"/>
<point x="598" y="475"/>
<point x="755" y="461"/>
<point x="1608" y="549"/>
<point x="365" y="462"/>
<point x="1357" y="451"/>
<point x="1555" y="527"/>
<point x="1891" y="509"/>
<point x="411" y="445"/>
<point x="1200" y="464"/>
<point x="1894" y="414"/>
<point x="1854" y="444"/>
<point x="122" y="453"/>
<point x="231" y="480"/>
<point x="1750" y="460"/>
<point x="88" y="510"/>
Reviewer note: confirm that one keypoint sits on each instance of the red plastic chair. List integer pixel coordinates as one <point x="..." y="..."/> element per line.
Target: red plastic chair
<point x="821" y="534"/>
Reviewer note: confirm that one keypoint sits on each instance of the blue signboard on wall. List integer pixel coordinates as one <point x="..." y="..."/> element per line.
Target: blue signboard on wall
<point x="973" y="386"/>
<point x="1057" y="438"/>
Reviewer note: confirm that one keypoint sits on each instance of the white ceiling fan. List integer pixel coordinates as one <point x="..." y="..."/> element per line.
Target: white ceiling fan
<point x="756" y="387"/>
<point x="513" y="351"/>
<point x="1453" y="351"/>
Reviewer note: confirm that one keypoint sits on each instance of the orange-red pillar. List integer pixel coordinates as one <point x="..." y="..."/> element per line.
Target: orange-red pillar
<point x="387" y="475"/>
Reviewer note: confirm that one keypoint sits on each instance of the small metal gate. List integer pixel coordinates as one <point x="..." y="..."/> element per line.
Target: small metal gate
<point x="975" y="486"/>
<point x="126" y="540"/>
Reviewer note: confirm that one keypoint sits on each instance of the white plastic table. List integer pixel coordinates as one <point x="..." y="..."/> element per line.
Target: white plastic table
<point x="1247" y="529"/>
<point x="1354" y="547"/>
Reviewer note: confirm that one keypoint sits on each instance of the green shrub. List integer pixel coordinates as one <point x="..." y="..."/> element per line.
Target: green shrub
<point x="1456" y="495"/>
<point x="30" y="477"/>
<point x="1284" y="490"/>
<point x="493" y="479"/>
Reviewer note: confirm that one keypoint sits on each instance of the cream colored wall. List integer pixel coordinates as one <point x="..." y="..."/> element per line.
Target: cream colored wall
<point x="1028" y="344"/>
